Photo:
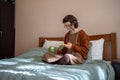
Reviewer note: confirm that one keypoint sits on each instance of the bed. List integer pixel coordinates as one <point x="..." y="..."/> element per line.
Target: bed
<point x="29" y="65"/>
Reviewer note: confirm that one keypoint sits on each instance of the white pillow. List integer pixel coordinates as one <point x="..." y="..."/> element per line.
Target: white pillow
<point x="49" y="43"/>
<point x="97" y="49"/>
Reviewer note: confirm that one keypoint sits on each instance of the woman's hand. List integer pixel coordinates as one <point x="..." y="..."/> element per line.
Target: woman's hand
<point x="68" y="45"/>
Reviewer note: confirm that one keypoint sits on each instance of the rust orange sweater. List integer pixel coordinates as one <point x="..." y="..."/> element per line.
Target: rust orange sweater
<point x="82" y="45"/>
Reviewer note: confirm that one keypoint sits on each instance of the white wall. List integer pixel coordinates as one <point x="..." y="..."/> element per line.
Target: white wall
<point x="35" y="18"/>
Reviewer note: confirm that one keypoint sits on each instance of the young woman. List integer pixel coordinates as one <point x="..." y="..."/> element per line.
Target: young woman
<point x="76" y="44"/>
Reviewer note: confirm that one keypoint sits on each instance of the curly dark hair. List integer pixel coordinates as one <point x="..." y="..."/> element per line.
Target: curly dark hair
<point x="72" y="19"/>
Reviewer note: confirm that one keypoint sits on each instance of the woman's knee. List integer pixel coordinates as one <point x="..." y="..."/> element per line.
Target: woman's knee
<point x="65" y="59"/>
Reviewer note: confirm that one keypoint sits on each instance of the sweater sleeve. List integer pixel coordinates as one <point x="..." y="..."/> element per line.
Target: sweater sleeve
<point x="83" y="44"/>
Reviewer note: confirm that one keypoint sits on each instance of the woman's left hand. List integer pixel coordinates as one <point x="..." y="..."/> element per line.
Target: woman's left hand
<point x="68" y="45"/>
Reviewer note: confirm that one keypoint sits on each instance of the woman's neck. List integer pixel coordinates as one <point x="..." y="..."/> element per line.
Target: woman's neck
<point x="75" y="31"/>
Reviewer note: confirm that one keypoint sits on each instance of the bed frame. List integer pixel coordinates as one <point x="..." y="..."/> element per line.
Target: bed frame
<point x="109" y="51"/>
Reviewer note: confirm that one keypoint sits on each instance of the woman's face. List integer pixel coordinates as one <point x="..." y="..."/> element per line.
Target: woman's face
<point x="69" y="26"/>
